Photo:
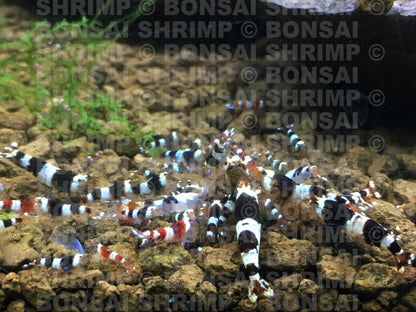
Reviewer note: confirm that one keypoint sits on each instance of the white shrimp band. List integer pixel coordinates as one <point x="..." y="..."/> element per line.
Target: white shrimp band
<point x="301" y="192"/>
<point x="162" y="178"/>
<point x="267" y="182"/>
<point x="299" y="145"/>
<point x="198" y="154"/>
<point x="179" y="154"/>
<point x="24" y="161"/>
<point x="56" y="263"/>
<point x="66" y="210"/>
<point x="46" y="174"/>
<point x="43" y="203"/>
<point x="77" y="260"/>
<point x="127" y="187"/>
<point x="16" y="204"/>
<point x="89" y="197"/>
<point x="213" y="220"/>
<point x="105" y="193"/>
<point x="149" y="211"/>
<point x="251" y="257"/>
<point x="248" y="190"/>
<point x="169" y="234"/>
<point x="388" y="240"/>
<point x="113" y="255"/>
<point x="230" y="205"/>
<point x="82" y="209"/>
<point x="144" y="188"/>
<point x="76" y="181"/>
<point x="293" y="137"/>
<point x="210" y="234"/>
<point x="355" y="225"/>
<point x="255" y="277"/>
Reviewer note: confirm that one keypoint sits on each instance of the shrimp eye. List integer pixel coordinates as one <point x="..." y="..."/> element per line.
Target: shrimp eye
<point x="307" y="169"/>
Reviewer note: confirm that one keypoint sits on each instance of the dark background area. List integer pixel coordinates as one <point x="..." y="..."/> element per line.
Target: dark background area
<point x="394" y="74"/>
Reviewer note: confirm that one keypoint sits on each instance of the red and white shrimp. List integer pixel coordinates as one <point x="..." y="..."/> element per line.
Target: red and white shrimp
<point x="107" y="253"/>
<point x="26" y="205"/>
<point x="172" y="233"/>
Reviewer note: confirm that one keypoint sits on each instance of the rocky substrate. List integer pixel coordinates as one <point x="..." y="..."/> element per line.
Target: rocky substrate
<point x="311" y="267"/>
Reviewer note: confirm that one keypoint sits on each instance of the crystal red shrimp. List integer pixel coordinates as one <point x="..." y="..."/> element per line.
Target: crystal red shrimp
<point x="107" y="253"/>
<point x="26" y="205"/>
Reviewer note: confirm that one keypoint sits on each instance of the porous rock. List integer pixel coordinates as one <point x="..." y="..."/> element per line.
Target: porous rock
<point x="130" y="296"/>
<point x="154" y="285"/>
<point x="216" y="262"/>
<point x="11" y="284"/>
<point x="16" y="306"/>
<point x="347" y="180"/>
<point x="308" y="287"/>
<point x="383" y="185"/>
<point x="387" y="297"/>
<point x="359" y="158"/>
<point x="16" y="249"/>
<point x="35" y="288"/>
<point x="373" y="278"/>
<point x="164" y="260"/>
<point x="387" y="164"/>
<point x="71" y="149"/>
<point x="288" y="256"/>
<point x="186" y="279"/>
<point x="404" y="191"/>
<point x="16" y="121"/>
<point x="336" y="272"/>
<point x="288" y="282"/>
<point x="75" y="279"/>
<point x="38" y="148"/>
<point x="408" y="165"/>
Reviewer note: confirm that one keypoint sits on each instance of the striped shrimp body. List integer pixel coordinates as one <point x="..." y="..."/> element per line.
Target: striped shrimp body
<point x="248" y="237"/>
<point x="27" y="205"/>
<point x="154" y="183"/>
<point x="141" y="216"/>
<point x="298" y="144"/>
<point x="357" y="224"/>
<point x="107" y="253"/>
<point x="335" y="212"/>
<point x="65" y="263"/>
<point x="172" y="233"/>
<point x="9" y="222"/>
<point x="56" y="208"/>
<point x="50" y="175"/>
